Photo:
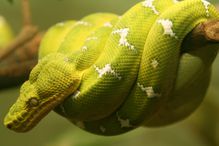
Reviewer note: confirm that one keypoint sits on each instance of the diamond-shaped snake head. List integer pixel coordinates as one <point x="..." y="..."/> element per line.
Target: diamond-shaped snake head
<point x="50" y="82"/>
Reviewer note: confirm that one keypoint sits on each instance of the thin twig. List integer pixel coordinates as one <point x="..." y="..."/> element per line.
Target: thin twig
<point x="27" y="33"/>
<point x="26" y="12"/>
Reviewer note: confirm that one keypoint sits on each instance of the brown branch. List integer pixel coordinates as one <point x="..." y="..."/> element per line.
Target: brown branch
<point x="16" y="68"/>
<point x="201" y="35"/>
<point x="26" y="12"/>
<point x="211" y="29"/>
<point x="25" y="35"/>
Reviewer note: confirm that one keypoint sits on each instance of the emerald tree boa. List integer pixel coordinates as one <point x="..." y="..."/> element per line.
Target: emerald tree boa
<point x="110" y="74"/>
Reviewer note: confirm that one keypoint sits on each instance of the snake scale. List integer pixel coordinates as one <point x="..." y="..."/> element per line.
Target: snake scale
<point x="110" y="74"/>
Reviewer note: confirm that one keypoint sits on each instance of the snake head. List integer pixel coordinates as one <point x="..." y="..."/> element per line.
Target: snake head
<point x="50" y="82"/>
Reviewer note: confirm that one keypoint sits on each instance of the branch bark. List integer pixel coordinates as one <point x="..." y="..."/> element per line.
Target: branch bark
<point x="27" y="33"/>
<point x="26" y="12"/>
<point x="201" y="35"/>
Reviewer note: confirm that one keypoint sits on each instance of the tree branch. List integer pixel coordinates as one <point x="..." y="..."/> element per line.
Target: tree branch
<point x="24" y="36"/>
<point x="26" y="12"/>
<point x="27" y="33"/>
<point x="201" y="35"/>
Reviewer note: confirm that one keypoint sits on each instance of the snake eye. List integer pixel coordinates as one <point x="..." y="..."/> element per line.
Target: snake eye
<point x="33" y="102"/>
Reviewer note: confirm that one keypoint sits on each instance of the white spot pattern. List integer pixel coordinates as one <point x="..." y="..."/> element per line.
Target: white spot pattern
<point x="123" y="38"/>
<point x="167" y="26"/>
<point x="102" y="129"/>
<point x="83" y="23"/>
<point x="206" y="4"/>
<point x="60" y="24"/>
<point x="76" y="94"/>
<point x="66" y="59"/>
<point x="175" y="1"/>
<point x="84" y="48"/>
<point x="154" y="63"/>
<point x="125" y="123"/>
<point x="91" y="38"/>
<point x="149" y="4"/>
<point x="149" y="91"/>
<point x="107" y="69"/>
<point x="107" y="24"/>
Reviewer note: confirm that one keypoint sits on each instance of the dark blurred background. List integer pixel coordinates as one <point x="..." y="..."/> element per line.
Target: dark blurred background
<point x="200" y="129"/>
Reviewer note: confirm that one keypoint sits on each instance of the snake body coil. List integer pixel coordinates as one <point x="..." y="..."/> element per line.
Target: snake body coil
<point x="110" y="74"/>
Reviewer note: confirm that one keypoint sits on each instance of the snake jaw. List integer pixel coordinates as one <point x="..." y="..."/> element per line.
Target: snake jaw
<point x="26" y="114"/>
<point x="19" y="115"/>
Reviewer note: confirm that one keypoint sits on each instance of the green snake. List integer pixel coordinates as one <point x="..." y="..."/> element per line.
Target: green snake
<point x="110" y="74"/>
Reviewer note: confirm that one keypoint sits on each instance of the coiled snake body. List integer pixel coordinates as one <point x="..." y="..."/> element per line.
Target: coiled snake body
<point x="110" y="74"/>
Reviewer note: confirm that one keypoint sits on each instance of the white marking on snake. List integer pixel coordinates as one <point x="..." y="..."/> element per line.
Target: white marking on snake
<point x="107" y="24"/>
<point x="66" y="59"/>
<point x="80" y="124"/>
<point x="91" y="38"/>
<point x="175" y="1"/>
<point x="167" y="26"/>
<point x="149" y="4"/>
<point x="206" y="4"/>
<point x="84" y="48"/>
<point x="102" y="129"/>
<point x="83" y="23"/>
<point x="149" y="91"/>
<point x="76" y="94"/>
<point x="60" y="24"/>
<point x="106" y="69"/>
<point x="124" y="122"/>
<point x="123" y="38"/>
<point x="154" y="63"/>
